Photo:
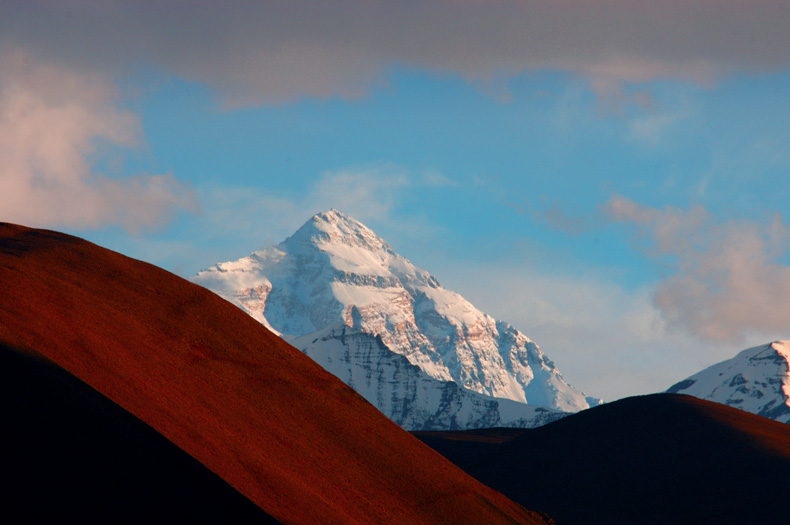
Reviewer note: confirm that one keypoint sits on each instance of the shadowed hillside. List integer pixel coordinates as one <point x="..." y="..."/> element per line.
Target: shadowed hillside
<point x="254" y="410"/>
<point x="69" y="451"/>
<point x="653" y="459"/>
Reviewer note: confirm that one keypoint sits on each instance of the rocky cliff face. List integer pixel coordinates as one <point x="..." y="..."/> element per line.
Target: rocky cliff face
<point x="336" y="270"/>
<point x="406" y="394"/>
<point x="756" y="380"/>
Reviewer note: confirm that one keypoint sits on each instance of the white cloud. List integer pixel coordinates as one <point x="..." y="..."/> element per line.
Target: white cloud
<point x="606" y="340"/>
<point x="51" y="124"/>
<point x="727" y="288"/>
<point x="728" y="280"/>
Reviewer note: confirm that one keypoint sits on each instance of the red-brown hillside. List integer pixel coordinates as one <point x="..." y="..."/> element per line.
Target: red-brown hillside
<point x="69" y="451"/>
<point x="658" y="459"/>
<point x="254" y="410"/>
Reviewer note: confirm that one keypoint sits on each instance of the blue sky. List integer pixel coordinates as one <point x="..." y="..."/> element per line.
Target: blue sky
<point x="612" y="179"/>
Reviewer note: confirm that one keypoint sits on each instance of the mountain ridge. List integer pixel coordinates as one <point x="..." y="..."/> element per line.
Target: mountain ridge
<point x="756" y="380"/>
<point x="652" y="459"/>
<point x="257" y="412"/>
<point x="70" y="447"/>
<point x="334" y="268"/>
<point x="413" y="400"/>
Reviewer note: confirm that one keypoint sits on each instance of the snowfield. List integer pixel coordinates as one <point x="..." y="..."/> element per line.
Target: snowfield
<point x="756" y="380"/>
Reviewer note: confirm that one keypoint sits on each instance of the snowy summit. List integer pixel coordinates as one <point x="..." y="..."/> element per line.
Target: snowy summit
<point x="335" y="275"/>
<point x="756" y="380"/>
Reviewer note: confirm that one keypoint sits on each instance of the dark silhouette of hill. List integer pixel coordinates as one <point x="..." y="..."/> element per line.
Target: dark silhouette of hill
<point x="660" y="458"/>
<point x="69" y="451"/>
<point x="257" y="412"/>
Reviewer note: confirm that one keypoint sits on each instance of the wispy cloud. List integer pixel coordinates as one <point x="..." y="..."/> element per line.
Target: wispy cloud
<point x="256" y="52"/>
<point x="52" y="122"/>
<point x="591" y="327"/>
<point x="557" y="218"/>
<point x="651" y="128"/>
<point x="370" y="193"/>
<point x="367" y="192"/>
<point x="729" y="280"/>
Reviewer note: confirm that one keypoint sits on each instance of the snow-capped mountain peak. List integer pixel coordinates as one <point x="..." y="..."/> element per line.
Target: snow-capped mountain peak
<point x="334" y="227"/>
<point x="756" y="380"/>
<point x="335" y="269"/>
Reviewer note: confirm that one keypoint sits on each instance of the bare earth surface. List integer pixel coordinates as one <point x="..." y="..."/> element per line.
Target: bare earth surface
<point x="70" y="451"/>
<point x="289" y="436"/>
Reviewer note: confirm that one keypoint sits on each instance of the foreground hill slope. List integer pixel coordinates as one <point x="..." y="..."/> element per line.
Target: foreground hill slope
<point x="69" y="451"/>
<point x="662" y="458"/>
<point x="260" y="414"/>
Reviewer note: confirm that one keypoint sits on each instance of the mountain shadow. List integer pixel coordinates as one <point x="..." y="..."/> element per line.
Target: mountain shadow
<point x="661" y="458"/>
<point x="70" y="451"/>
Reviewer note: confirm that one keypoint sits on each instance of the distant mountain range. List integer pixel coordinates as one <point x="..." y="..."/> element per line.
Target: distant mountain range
<point x="756" y="380"/>
<point x="341" y="294"/>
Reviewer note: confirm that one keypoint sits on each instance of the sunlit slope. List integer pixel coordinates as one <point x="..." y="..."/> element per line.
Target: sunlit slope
<point x="257" y="412"/>
<point x="756" y="380"/>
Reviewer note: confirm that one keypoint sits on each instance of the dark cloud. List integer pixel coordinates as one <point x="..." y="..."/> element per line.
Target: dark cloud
<point x="279" y="50"/>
